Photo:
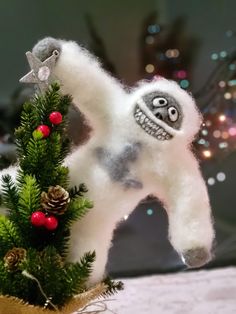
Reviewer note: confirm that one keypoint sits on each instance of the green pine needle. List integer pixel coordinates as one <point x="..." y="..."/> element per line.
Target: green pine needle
<point x="113" y="286"/>
<point x="29" y="198"/>
<point x="9" y="236"/>
<point x="10" y="195"/>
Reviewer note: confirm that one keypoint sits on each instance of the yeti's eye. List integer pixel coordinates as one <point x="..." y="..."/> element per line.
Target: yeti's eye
<point x="173" y="114"/>
<point x="159" y="102"/>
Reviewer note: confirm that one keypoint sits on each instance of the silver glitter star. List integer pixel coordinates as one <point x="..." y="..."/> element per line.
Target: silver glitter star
<point x="41" y="72"/>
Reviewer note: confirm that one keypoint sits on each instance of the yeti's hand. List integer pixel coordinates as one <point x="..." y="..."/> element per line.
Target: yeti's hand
<point x="197" y="257"/>
<point x="45" y="47"/>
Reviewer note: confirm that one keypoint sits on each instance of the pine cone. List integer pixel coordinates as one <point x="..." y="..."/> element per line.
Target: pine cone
<point x="14" y="258"/>
<point x="56" y="200"/>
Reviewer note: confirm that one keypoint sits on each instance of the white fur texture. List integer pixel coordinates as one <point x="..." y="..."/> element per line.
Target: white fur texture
<point x="166" y="169"/>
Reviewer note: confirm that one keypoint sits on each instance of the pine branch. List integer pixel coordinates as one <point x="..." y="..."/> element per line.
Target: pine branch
<point x="10" y="195"/>
<point x="78" y="273"/>
<point x="29" y="198"/>
<point x="9" y="236"/>
<point x="113" y="286"/>
<point x="77" y="209"/>
<point x="75" y="191"/>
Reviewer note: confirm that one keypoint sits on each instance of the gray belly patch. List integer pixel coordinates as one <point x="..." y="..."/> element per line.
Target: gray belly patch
<point x="117" y="165"/>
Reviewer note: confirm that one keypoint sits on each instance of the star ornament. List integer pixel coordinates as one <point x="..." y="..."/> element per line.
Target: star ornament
<point x="41" y="72"/>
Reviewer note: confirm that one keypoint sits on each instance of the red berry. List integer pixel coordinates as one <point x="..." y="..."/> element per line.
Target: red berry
<point x="38" y="219"/>
<point x="44" y="129"/>
<point x="51" y="223"/>
<point x="55" y="117"/>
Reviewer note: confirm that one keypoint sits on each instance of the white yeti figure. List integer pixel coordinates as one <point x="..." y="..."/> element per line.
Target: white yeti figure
<point x="141" y="145"/>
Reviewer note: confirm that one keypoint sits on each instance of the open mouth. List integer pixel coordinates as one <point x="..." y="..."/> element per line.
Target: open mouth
<point x="149" y="126"/>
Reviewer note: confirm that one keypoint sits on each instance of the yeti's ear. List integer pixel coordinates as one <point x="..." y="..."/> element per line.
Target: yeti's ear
<point x="45" y="47"/>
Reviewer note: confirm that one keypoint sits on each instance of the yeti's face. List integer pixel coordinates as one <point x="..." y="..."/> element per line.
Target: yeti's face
<point x="156" y="110"/>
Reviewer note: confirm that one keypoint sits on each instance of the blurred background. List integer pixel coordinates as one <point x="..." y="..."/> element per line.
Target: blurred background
<point x="192" y="42"/>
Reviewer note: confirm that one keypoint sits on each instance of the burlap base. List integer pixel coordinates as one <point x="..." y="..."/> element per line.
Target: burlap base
<point x="11" y="305"/>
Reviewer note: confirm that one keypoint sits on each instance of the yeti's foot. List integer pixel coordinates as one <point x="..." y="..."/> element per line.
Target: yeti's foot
<point x="196" y="257"/>
<point x="45" y="47"/>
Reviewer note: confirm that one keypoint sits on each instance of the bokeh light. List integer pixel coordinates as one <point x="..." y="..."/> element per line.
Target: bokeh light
<point x="207" y="153"/>
<point x="221" y="176"/>
<point x="211" y="181"/>
<point x="222" y="118"/>
<point x="149" y="68"/>
<point x="149" y="211"/>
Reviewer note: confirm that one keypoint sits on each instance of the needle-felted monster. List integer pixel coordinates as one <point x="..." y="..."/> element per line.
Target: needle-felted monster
<point x="140" y="145"/>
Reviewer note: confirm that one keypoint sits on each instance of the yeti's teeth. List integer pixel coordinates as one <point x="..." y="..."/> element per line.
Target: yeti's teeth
<point x="158" y="132"/>
<point x="142" y="118"/>
<point x="150" y="127"/>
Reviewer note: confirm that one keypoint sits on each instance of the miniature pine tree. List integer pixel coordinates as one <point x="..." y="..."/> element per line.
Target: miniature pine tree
<point x="35" y="232"/>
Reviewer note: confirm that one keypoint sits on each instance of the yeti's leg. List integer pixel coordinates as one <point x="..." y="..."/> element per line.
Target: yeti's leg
<point x="94" y="232"/>
<point x="94" y="91"/>
<point x="190" y="223"/>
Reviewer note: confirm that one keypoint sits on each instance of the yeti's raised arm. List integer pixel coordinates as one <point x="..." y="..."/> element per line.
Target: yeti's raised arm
<point x="93" y="90"/>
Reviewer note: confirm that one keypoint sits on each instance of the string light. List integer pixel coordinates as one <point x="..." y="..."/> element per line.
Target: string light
<point x="207" y="153"/>
<point x="214" y="56"/>
<point x="222" y="118"/>
<point x="223" y="145"/>
<point x="149" y="40"/>
<point x="227" y="95"/>
<point x="223" y="54"/>
<point x="232" y="131"/>
<point x="172" y="53"/>
<point x="181" y="74"/>
<point x="149" y="211"/>
<point x="154" y="28"/>
<point x="221" y="176"/>
<point x="204" y="132"/>
<point x="225" y="135"/>
<point x="232" y="82"/>
<point x="232" y="66"/>
<point x="184" y="83"/>
<point x="211" y="181"/>
<point x="217" y="134"/>
<point x="222" y="84"/>
<point x="201" y="141"/>
<point x="149" y="68"/>
<point x="208" y="123"/>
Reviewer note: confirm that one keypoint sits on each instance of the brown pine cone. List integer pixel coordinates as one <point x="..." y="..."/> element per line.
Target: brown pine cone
<point x="56" y="200"/>
<point x="14" y="258"/>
